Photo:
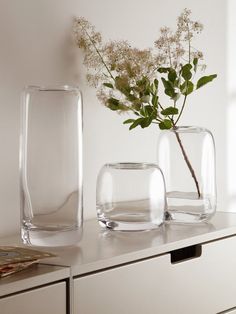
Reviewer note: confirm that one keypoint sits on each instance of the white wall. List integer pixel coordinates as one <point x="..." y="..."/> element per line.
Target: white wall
<point x="231" y="107"/>
<point x="36" y="48"/>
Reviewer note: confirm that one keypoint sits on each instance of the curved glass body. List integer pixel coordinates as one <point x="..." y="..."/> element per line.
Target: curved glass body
<point x="51" y="166"/>
<point x="130" y="196"/>
<point x="186" y="156"/>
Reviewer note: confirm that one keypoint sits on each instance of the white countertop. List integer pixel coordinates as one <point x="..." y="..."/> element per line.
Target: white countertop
<point x="100" y="248"/>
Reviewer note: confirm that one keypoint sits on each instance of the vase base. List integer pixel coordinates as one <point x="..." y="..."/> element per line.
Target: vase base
<point x="47" y="238"/>
<point x="186" y="217"/>
<point x="128" y="226"/>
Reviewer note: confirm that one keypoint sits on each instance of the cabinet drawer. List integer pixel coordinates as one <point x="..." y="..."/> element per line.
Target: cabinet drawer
<point x="204" y="284"/>
<point x="46" y="300"/>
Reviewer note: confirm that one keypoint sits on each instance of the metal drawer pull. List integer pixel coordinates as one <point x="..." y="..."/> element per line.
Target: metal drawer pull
<point x="185" y="253"/>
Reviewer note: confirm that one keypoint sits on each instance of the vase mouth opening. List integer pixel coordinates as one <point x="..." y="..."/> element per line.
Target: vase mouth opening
<point x="52" y="88"/>
<point x="188" y="128"/>
<point x="131" y="165"/>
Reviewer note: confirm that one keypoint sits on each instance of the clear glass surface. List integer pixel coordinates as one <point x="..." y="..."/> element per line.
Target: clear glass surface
<point x="186" y="156"/>
<point x="51" y="166"/>
<point x="130" y="196"/>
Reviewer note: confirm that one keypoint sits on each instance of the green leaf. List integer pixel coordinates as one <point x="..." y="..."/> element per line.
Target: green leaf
<point x="136" y="123"/>
<point x="186" y="88"/>
<point x="205" y="79"/>
<point x="143" y="122"/>
<point x="156" y="82"/>
<point x="113" y="103"/>
<point x="169" y="89"/>
<point x="169" y="111"/>
<point x="128" y="121"/>
<point x="143" y="112"/>
<point x="150" y="111"/>
<point x="131" y="97"/>
<point x="165" y="124"/>
<point x="146" y="122"/>
<point x="143" y="86"/>
<point x="172" y="75"/>
<point x="195" y="62"/>
<point x="144" y="82"/>
<point x="109" y="85"/>
<point x="163" y="70"/>
<point x="155" y="100"/>
<point x="186" y="71"/>
<point x="154" y="87"/>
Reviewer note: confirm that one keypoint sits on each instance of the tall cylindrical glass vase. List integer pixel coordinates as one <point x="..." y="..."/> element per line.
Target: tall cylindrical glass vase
<point x="51" y="166"/>
<point x="186" y="156"/>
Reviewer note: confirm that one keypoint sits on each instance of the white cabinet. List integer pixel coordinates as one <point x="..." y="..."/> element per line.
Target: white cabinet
<point x="41" y="289"/>
<point x="176" y="269"/>
<point x="45" y="300"/>
<point x="204" y="284"/>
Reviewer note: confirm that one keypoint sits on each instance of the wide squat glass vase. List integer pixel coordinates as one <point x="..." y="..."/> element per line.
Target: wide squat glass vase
<point x="51" y="166"/>
<point x="186" y="156"/>
<point x="130" y="196"/>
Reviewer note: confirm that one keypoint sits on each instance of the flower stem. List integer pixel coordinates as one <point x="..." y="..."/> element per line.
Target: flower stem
<point x="98" y="52"/>
<point x="182" y="109"/>
<point x="188" y="162"/>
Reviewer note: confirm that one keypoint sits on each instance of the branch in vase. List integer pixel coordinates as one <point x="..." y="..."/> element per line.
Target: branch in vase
<point x="188" y="163"/>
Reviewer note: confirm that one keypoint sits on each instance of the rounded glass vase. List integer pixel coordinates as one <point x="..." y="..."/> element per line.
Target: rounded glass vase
<point x="186" y="156"/>
<point x="51" y="166"/>
<point x="130" y="196"/>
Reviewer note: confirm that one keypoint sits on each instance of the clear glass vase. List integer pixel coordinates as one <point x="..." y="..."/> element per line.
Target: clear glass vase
<point x="186" y="156"/>
<point x="51" y="166"/>
<point x="130" y="196"/>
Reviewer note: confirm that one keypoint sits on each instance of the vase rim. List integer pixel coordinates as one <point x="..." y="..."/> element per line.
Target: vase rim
<point x="132" y="165"/>
<point x="52" y="88"/>
<point x="189" y="128"/>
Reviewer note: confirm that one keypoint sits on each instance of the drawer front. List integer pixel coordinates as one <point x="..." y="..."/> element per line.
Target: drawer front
<point x="201" y="285"/>
<point x="46" y="300"/>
